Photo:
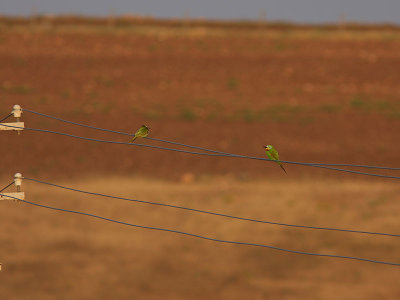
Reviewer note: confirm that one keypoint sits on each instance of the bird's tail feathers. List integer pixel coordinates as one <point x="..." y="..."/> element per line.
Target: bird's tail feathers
<point x="134" y="138"/>
<point x="283" y="168"/>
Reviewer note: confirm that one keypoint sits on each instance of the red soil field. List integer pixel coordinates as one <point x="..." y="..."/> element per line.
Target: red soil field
<point x="319" y="94"/>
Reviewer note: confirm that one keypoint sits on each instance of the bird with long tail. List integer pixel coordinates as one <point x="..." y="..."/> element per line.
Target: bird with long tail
<point x="273" y="155"/>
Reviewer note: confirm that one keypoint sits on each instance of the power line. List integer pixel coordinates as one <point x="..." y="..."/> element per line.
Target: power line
<point x="199" y="148"/>
<point x="211" y="213"/>
<point x="209" y="238"/>
<point x="123" y="133"/>
<point x="205" y="154"/>
<point x="74" y="123"/>
<point x="5" y="118"/>
<point x="12" y="182"/>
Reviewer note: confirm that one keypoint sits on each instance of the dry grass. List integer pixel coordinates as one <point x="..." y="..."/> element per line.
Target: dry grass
<point x="49" y="255"/>
<point x="197" y="28"/>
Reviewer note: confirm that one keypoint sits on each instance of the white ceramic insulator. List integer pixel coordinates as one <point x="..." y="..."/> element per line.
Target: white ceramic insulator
<point x="18" y="179"/>
<point x="17" y="111"/>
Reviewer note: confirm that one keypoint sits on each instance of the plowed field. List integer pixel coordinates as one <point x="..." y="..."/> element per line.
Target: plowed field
<point x="318" y="94"/>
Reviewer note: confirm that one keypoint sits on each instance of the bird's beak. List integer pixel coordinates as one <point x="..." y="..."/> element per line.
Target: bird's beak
<point x="265" y="147"/>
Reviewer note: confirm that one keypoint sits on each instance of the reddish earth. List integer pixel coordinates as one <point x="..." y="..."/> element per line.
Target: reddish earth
<point x="317" y="94"/>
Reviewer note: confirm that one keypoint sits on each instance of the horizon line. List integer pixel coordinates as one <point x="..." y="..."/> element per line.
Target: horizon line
<point x="198" y="20"/>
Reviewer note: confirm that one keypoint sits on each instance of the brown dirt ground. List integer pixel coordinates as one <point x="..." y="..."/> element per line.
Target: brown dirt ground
<point x="327" y="94"/>
<point x="53" y="255"/>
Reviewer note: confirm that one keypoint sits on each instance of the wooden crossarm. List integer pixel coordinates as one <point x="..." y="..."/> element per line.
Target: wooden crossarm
<point x="16" y="124"/>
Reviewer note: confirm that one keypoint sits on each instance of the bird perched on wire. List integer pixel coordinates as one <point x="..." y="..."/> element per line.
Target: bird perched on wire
<point x="273" y="155"/>
<point x="142" y="132"/>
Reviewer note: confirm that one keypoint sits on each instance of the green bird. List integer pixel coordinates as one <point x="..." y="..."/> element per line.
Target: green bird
<point x="273" y="155"/>
<point x="143" y="131"/>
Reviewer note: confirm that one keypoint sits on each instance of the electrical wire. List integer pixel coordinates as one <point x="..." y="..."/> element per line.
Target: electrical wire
<point x="5" y="118"/>
<point x="216" y="154"/>
<point x="204" y="154"/>
<point x="196" y="147"/>
<point x="209" y="212"/>
<point x="209" y="238"/>
<point x="74" y="123"/>
<point x="122" y="133"/>
<point x="12" y="182"/>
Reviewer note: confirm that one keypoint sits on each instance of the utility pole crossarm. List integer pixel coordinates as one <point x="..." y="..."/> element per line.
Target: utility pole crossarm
<point x="12" y="196"/>
<point x="12" y="126"/>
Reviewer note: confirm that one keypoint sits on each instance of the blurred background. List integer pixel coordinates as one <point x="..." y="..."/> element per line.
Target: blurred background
<point x="316" y="79"/>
